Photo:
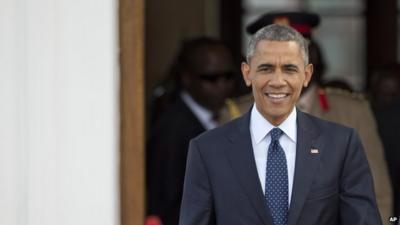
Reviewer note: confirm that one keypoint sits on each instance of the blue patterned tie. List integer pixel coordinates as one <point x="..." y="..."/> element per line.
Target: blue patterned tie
<point x="276" y="180"/>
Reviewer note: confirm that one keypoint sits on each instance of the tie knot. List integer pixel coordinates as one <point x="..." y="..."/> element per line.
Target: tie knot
<point x="276" y="133"/>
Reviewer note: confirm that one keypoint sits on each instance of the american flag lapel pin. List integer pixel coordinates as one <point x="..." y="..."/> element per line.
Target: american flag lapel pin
<point x="314" y="151"/>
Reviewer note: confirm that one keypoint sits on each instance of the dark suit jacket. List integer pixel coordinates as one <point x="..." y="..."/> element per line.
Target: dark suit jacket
<point x="330" y="188"/>
<point x="167" y="149"/>
<point x="389" y="128"/>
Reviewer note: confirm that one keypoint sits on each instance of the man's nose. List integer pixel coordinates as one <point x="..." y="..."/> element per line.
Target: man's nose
<point x="221" y="81"/>
<point x="224" y="85"/>
<point x="277" y="79"/>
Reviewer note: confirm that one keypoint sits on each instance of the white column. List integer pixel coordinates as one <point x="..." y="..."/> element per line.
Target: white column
<point x="59" y="114"/>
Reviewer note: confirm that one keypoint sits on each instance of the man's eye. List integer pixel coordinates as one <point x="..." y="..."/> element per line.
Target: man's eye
<point x="265" y="69"/>
<point x="291" y="70"/>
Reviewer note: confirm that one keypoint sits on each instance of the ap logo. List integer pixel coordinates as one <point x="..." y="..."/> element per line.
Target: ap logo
<point x="394" y="220"/>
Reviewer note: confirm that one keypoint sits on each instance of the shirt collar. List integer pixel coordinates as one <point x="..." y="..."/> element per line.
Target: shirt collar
<point x="260" y="127"/>
<point x="203" y="115"/>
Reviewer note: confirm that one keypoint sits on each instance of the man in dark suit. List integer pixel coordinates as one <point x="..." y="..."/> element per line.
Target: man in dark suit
<point x="204" y="71"/>
<point x="277" y="165"/>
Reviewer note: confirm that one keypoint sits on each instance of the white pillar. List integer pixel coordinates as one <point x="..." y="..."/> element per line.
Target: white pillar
<point x="59" y="112"/>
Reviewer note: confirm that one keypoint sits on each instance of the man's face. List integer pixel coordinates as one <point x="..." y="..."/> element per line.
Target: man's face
<point x="211" y="80"/>
<point x="276" y="73"/>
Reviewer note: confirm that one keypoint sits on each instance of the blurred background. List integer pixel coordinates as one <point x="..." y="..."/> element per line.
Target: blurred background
<point x="61" y="66"/>
<point x="355" y="35"/>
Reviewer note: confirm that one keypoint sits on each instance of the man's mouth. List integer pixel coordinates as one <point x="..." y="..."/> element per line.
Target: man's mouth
<point x="277" y="97"/>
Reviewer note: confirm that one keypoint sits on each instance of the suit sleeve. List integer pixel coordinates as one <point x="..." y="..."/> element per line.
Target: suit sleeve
<point x="197" y="200"/>
<point x="357" y="199"/>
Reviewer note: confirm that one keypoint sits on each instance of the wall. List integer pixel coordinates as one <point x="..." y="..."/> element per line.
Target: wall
<point x="59" y="112"/>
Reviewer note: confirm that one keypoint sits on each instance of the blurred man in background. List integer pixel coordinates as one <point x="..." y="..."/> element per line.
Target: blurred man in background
<point x="385" y="97"/>
<point x="204" y="73"/>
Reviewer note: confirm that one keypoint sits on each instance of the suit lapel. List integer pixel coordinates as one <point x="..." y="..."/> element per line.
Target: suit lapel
<point x="306" y="164"/>
<point x="241" y="158"/>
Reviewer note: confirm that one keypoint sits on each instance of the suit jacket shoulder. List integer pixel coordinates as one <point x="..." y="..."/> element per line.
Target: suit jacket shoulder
<point x="166" y="154"/>
<point x="177" y="116"/>
<point x="320" y="122"/>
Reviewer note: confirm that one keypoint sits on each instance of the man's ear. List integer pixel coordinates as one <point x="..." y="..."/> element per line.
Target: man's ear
<point x="246" y="73"/>
<point x="308" y="73"/>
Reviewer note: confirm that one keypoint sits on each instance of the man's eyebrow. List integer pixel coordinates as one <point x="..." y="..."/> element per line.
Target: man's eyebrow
<point x="290" y="66"/>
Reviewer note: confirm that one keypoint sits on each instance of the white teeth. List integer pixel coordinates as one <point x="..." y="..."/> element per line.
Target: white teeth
<point x="277" y="95"/>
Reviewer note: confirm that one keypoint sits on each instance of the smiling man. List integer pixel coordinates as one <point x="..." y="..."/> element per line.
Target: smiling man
<point x="277" y="71"/>
<point x="277" y="165"/>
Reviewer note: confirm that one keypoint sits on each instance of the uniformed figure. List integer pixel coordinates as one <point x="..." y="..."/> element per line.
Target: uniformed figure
<point x="333" y="104"/>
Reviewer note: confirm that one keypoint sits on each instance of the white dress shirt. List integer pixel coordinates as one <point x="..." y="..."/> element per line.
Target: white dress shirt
<point x="204" y="115"/>
<point x="260" y="138"/>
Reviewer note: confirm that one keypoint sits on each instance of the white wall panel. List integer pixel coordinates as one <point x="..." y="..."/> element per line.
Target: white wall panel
<point x="13" y="165"/>
<point x="59" y="114"/>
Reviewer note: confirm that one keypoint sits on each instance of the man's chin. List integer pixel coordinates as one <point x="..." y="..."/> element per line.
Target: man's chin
<point x="275" y="115"/>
